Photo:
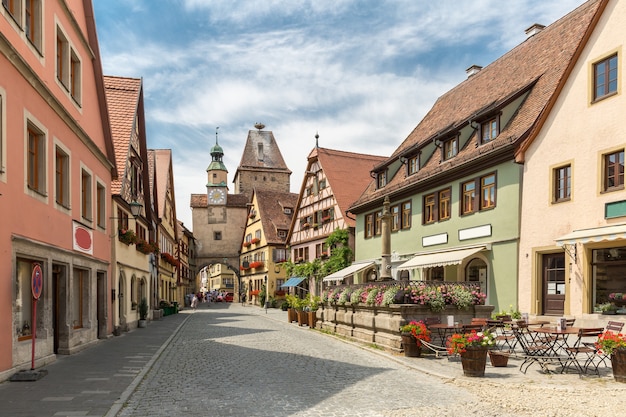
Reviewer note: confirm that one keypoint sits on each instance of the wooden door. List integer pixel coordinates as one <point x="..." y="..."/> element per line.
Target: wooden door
<point x="553" y="267"/>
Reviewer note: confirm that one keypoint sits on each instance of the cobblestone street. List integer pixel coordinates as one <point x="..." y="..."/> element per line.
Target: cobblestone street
<point x="229" y="361"/>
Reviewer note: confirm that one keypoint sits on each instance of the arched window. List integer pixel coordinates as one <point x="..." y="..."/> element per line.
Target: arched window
<point x="476" y="271"/>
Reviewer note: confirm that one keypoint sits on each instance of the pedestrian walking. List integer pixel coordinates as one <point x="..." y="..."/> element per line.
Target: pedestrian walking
<point x="194" y="302"/>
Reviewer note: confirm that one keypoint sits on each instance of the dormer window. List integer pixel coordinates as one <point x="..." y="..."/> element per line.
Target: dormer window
<point x="414" y="164"/>
<point x="287" y="210"/>
<point x="450" y="148"/>
<point x="489" y="130"/>
<point x="381" y="179"/>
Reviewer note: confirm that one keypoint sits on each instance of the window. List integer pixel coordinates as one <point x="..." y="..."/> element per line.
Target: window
<point x="605" y="77"/>
<point x="32" y="21"/>
<point x="382" y="179"/>
<point x="489" y="130"/>
<point x="406" y="215"/>
<point x="281" y="233"/>
<point x="468" y="198"/>
<point x="75" y="74"/>
<point x="63" y="56"/>
<point x="450" y="148"/>
<point x="122" y="219"/>
<point x="78" y="297"/>
<point x="36" y="160"/>
<point x="378" y="223"/>
<point x="62" y="178"/>
<point x="614" y="171"/>
<point x="488" y="191"/>
<point x="85" y="195"/>
<point x="217" y="235"/>
<point x="14" y="8"/>
<point x="395" y="218"/>
<point x="429" y="208"/>
<point x="444" y="204"/>
<point x="257" y="234"/>
<point x="101" y="205"/>
<point x="485" y="199"/>
<point x="562" y="183"/>
<point x="414" y="164"/>
<point x="279" y="255"/>
<point x="369" y="225"/>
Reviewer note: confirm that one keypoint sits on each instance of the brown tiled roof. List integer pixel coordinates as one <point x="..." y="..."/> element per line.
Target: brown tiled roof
<point x="122" y="101"/>
<point x="270" y="209"/>
<point x="232" y="200"/>
<point x="347" y="174"/>
<point x="539" y="64"/>
<point x="272" y="159"/>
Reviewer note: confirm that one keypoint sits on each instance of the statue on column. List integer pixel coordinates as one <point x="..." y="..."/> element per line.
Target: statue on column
<point x="385" y="266"/>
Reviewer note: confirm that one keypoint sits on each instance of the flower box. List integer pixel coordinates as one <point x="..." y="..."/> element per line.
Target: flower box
<point x="246" y="244"/>
<point x="279" y="293"/>
<point x="170" y="259"/>
<point x="256" y="264"/>
<point x="255" y="241"/>
<point x="305" y="225"/>
<point x="255" y="292"/>
<point x="127" y="237"/>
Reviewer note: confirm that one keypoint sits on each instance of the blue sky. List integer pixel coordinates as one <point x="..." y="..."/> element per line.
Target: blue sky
<point x="361" y="73"/>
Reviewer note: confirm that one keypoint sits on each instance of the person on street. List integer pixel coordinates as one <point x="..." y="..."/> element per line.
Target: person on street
<point x="194" y="302"/>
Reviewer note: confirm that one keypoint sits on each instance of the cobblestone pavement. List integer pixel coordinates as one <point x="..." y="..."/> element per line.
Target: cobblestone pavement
<point x="241" y="361"/>
<point x="234" y="361"/>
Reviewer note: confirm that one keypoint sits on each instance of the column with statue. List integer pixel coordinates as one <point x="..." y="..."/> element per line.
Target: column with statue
<point x="385" y="265"/>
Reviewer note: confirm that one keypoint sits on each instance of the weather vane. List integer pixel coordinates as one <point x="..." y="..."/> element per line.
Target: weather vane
<point x="216" y="129"/>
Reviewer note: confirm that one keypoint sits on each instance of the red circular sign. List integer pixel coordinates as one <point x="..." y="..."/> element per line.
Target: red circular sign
<point x="36" y="282"/>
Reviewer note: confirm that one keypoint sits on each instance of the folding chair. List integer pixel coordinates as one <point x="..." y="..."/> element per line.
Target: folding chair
<point x="585" y="344"/>
<point x="505" y="339"/>
<point x="612" y="326"/>
<point x="533" y="351"/>
<point x="480" y="321"/>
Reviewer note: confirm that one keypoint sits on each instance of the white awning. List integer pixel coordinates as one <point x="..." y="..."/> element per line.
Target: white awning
<point x="429" y="260"/>
<point x="596" y="234"/>
<point x="352" y="269"/>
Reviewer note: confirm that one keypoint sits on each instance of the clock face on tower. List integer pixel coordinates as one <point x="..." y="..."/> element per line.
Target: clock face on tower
<point x="217" y="196"/>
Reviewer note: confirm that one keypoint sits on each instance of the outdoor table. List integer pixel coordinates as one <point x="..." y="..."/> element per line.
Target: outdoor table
<point x="444" y="330"/>
<point x="558" y="343"/>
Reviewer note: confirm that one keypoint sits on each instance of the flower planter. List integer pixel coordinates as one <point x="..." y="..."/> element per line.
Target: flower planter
<point x="618" y="360"/>
<point x="498" y="359"/>
<point x="302" y="318"/>
<point x="312" y="318"/>
<point x="291" y="315"/>
<point x="474" y="361"/>
<point x="410" y="347"/>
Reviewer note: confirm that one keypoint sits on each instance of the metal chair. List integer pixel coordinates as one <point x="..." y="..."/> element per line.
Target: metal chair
<point x="585" y="344"/>
<point x="534" y="351"/>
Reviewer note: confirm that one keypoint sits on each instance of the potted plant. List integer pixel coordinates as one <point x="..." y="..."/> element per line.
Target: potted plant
<point x="143" y="312"/>
<point x="312" y="307"/>
<point x="472" y="347"/>
<point x="412" y="335"/>
<point x="292" y="302"/>
<point x="614" y="345"/>
<point x="608" y="308"/>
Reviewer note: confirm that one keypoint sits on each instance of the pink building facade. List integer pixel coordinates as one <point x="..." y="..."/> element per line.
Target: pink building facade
<point x="56" y="164"/>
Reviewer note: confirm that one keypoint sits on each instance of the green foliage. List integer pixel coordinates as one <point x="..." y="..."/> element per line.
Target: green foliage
<point x="143" y="309"/>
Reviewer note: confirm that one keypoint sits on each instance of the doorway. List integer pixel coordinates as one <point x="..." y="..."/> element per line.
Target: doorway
<point x="553" y="267"/>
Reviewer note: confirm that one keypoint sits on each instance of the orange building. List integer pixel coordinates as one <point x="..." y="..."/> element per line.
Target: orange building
<point x="56" y="164"/>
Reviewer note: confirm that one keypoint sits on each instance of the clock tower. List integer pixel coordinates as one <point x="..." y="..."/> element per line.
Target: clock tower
<point x="216" y="177"/>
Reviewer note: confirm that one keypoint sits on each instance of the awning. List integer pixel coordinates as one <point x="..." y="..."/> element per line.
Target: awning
<point x="429" y="260"/>
<point x="342" y="273"/>
<point x="596" y="234"/>
<point x="292" y="282"/>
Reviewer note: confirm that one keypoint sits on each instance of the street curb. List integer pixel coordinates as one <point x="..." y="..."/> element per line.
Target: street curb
<point x="119" y="403"/>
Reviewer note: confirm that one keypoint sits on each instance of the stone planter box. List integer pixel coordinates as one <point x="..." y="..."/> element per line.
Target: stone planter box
<point x="381" y="325"/>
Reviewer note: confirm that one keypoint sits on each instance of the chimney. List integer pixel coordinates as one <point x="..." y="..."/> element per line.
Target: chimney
<point x="473" y="70"/>
<point x="533" y="30"/>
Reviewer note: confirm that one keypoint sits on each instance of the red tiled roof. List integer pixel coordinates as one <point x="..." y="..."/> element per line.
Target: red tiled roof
<point x="122" y="99"/>
<point x="271" y="210"/>
<point x="348" y="174"/>
<point x="539" y="64"/>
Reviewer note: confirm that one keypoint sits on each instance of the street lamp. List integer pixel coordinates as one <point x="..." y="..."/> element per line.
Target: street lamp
<point x="135" y="208"/>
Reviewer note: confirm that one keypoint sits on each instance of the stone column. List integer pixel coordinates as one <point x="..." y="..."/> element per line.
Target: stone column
<point x="385" y="266"/>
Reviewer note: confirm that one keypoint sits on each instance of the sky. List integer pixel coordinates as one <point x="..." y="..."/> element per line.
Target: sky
<point x="359" y="73"/>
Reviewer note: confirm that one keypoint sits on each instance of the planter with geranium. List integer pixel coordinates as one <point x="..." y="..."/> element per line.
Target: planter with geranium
<point x="614" y="345"/>
<point x="472" y="347"/>
<point x="412" y="335"/>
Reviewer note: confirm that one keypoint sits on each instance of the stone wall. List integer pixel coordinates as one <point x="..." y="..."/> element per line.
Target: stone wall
<point x="381" y="325"/>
